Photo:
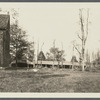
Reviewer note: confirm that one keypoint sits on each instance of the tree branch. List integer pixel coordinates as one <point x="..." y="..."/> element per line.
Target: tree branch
<point x="87" y="26"/>
<point x="79" y="37"/>
<point x="76" y="49"/>
<point x="81" y="20"/>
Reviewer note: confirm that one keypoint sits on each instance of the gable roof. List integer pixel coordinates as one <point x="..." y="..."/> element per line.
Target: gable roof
<point x="4" y="19"/>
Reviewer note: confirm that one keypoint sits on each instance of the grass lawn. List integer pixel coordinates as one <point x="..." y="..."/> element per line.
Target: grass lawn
<point x="49" y="80"/>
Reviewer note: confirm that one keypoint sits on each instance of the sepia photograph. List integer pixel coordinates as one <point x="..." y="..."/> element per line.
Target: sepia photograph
<point x="49" y="47"/>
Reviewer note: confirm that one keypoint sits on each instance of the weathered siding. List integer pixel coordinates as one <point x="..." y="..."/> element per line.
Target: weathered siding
<point x="1" y="48"/>
<point x="5" y="42"/>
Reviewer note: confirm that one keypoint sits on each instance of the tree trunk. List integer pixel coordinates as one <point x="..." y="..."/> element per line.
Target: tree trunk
<point x="58" y="63"/>
<point x="27" y="65"/>
<point x="83" y="65"/>
<point x="53" y="64"/>
<point x="41" y="61"/>
<point x="72" y="65"/>
<point x="62" y="64"/>
<point x="33" y="63"/>
<point x="16" y="62"/>
<point x="16" y="57"/>
<point x="83" y="49"/>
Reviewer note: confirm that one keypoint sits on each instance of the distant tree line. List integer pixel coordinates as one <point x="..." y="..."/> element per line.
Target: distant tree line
<point x="54" y="54"/>
<point x="23" y="50"/>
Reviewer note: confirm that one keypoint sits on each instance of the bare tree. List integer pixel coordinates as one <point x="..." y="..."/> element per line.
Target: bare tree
<point x="37" y="52"/>
<point x="33" y="53"/>
<point x="83" y="36"/>
<point x="62" y="54"/>
<point x="77" y="47"/>
<point x="72" y="54"/>
<point x="97" y="58"/>
<point x="87" y="59"/>
<point x="41" y="51"/>
<point x="54" y="52"/>
<point x="93" y="59"/>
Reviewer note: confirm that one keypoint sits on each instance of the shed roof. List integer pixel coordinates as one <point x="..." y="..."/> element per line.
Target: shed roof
<point x="4" y="19"/>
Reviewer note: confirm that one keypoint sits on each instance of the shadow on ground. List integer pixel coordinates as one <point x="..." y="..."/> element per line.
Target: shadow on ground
<point x="55" y="75"/>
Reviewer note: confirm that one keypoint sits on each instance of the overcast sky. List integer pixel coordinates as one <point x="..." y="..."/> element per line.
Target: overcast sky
<point x="57" y="21"/>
